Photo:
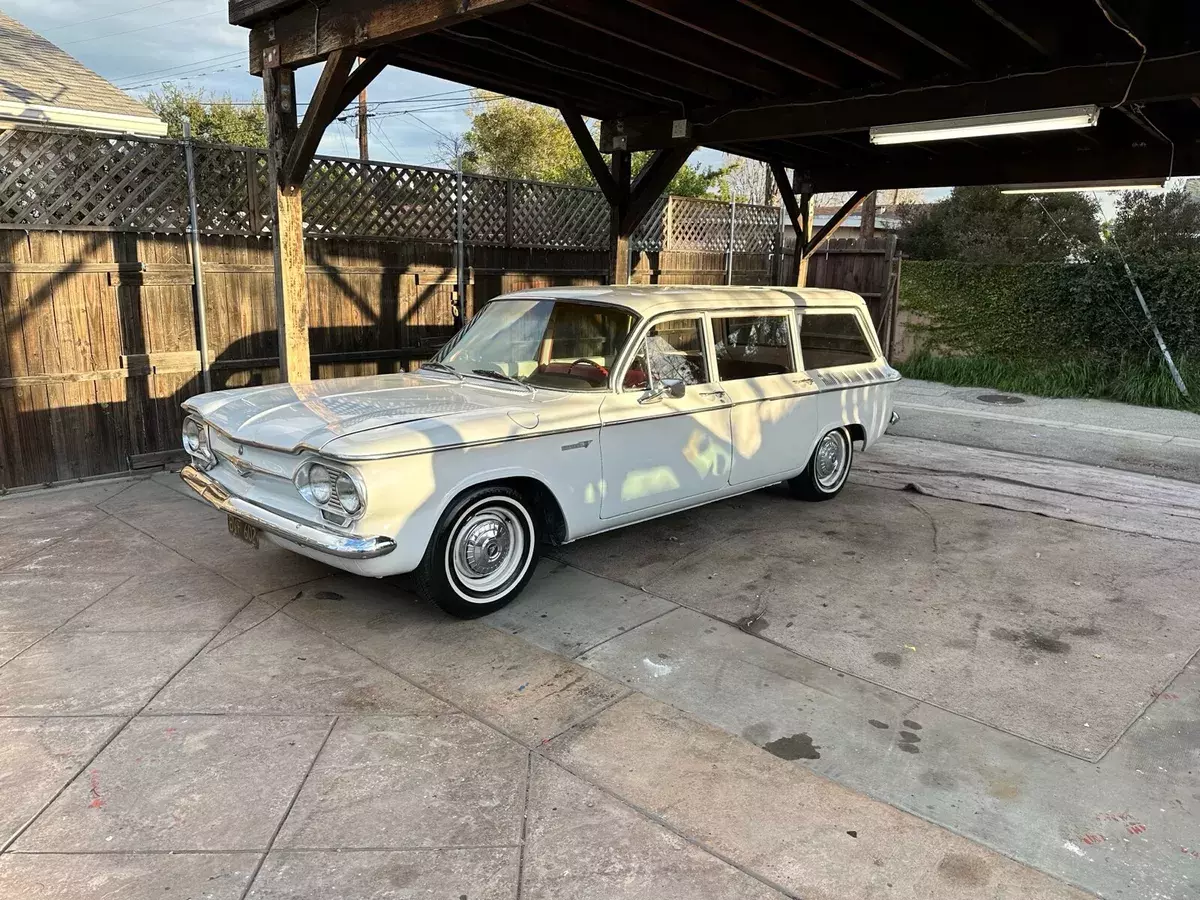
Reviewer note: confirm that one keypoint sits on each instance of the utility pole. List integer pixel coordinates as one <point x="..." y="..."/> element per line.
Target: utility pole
<point x="363" y="153"/>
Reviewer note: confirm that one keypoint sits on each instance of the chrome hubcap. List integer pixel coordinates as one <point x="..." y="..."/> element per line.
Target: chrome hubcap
<point x="488" y="548"/>
<point x="832" y="457"/>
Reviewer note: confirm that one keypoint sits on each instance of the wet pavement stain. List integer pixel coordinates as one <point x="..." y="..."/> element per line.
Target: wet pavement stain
<point x="1031" y="640"/>
<point x="329" y="595"/>
<point x="796" y="746"/>
<point x="909" y="738"/>
<point x="911" y="725"/>
<point x="891" y="660"/>
<point x="875" y="723"/>
<point x="964" y="870"/>
<point x="1086" y="631"/>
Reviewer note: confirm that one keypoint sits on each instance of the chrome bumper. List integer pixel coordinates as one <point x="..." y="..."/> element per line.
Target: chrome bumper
<point x="311" y="536"/>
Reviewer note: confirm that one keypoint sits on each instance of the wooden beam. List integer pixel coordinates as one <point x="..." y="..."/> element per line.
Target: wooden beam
<point x="651" y="181"/>
<point x="804" y="234"/>
<point x="321" y="111"/>
<point x="1036" y="34"/>
<point x="362" y="76"/>
<point x="291" y="290"/>
<point x="940" y="37"/>
<point x="583" y="42"/>
<point x="735" y="28"/>
<point x="686" y="50"/>
<point x="591" y="155"/>
<point x="835" y="222"/>
<point x="618" y="236"/>
<point x="243" y="12"/>
<point x="312" y="31"/>
<point x="786" y="193"/>
<point x="1168" y="78"/>
<point x="1153" y="160"/>
<point x="836" y="27"/>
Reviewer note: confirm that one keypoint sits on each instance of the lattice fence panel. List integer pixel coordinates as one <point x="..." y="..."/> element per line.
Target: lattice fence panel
<point x="558" y="216"/>
<point x="485" y="216"/>
<point x="231" y="189"/>
<point x="347" y="198"/>
<point x="756" y="228"/>
<point x="697" y="225"/>
<point x="52" y="179"/>
<point x="650" y="235"/>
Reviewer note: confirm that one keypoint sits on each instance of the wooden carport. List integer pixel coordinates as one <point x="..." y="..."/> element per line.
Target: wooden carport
<point x="798" y="85"/>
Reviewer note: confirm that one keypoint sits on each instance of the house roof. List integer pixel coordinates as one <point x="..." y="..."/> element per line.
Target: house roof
<point x="40" y="82"/>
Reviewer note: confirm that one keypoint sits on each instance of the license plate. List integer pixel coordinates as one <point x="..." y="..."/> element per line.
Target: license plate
<point x="243" y="531"/>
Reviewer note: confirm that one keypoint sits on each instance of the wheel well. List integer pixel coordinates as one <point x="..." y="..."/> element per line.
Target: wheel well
<point x="544" y="505"/>
<point x="857" y="433"/>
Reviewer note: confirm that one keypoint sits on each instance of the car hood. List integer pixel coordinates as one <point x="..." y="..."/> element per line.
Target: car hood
<point x="294" y="416"/>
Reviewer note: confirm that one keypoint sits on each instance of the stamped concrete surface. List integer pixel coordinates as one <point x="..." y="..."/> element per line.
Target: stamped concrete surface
<point x="180" y="717"/>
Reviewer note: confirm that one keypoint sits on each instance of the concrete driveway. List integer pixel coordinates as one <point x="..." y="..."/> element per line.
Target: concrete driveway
<point x="971" y="676"/>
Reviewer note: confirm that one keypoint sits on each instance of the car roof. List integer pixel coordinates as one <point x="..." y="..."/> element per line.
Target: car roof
<point x="651" y="299"/>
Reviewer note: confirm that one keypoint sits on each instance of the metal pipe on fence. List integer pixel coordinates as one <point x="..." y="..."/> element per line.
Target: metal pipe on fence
<point x="460" y="256"/>
<point x="197" y="263"/>
<point x="732" y="222"/>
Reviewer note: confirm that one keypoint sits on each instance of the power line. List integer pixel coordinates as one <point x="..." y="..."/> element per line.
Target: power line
<point x="184" y="76"/>
<point x="123" y="12"/>
<point x="135" y="30"/>
<point x="133" y="76"/>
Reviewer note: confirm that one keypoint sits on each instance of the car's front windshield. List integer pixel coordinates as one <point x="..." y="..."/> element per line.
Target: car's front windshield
<point x="546" y="343"/>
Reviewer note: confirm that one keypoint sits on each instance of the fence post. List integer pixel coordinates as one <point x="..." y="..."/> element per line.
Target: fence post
<point x="460" y="256"/>
<point x="255" y="226"/>
<point x="197" y="263"/>
<point x="779" y="248"/>
<point x="729" y="262"/>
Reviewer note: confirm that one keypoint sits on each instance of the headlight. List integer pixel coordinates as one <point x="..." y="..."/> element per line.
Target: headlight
<point x="195" y="442"/>
<point x="320" y="483"/>
<point x="337" y="492"/>
<point x="348" y="494"/>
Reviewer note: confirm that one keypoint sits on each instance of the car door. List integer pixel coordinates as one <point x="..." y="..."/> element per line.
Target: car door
<point x="774" y="403"/>
<point x="658" y="450"/>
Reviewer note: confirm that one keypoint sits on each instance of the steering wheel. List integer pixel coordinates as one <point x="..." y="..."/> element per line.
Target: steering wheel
<point x="584" y="361"/>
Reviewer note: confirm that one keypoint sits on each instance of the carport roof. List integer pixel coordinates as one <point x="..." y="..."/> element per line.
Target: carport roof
<point x="800" y="84"/>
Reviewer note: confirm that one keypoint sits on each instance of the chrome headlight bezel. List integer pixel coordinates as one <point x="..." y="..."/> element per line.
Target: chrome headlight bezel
<point x="338" y="477"/>
<point x="197" y="444"/>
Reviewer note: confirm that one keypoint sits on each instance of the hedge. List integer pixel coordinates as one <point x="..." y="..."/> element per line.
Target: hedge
<point x="1047" y="311"/>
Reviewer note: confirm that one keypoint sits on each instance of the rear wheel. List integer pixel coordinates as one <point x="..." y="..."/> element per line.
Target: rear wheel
<point x="825" y="475"/>
<point x="483" y="553"/>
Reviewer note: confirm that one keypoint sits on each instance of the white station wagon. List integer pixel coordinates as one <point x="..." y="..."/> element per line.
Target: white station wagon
<point x="555" y="414"/>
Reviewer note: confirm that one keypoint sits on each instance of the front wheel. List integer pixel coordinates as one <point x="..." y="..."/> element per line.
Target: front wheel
<point x="482" y="555"/>
<point x="825" y="475"/>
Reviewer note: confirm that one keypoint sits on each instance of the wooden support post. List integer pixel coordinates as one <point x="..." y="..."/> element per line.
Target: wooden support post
<point x="291" y="289"/>
<point x="866" y="228"/>
<point x="804" y="235"/>
<point x="618" y="233"/>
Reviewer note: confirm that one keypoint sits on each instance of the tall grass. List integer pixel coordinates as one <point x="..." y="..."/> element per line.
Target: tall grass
<point x="1137" y="379"/>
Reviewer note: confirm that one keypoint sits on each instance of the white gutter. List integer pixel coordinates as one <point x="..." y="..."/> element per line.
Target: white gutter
<point x="25" y="113"/>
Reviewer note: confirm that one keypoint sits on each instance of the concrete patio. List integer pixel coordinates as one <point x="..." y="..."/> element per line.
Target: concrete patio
<point x="969" y="677"/>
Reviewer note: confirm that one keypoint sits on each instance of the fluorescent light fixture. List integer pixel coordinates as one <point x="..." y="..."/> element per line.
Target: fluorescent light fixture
<point x="1059" y="119"/>
<point x="1063" y="187"/>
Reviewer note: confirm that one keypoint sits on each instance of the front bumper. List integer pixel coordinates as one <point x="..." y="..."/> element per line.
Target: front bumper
<point x="345" y="546"/>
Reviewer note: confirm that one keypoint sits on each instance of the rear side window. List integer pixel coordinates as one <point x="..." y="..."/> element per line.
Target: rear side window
<point x="752" y="346"/>
<point x="833" y="339"/>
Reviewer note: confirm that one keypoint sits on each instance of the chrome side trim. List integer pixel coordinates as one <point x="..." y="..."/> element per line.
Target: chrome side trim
<point x="311" y="536"/>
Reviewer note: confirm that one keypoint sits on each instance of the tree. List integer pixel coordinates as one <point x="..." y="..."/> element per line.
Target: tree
<point x="980" y="224"/>
<point x="513" y="138"/>
<point x="214" y="117"/>
<point x="1157" y="222"/>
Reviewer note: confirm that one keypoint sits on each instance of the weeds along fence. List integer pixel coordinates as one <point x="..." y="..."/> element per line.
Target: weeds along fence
<point x="98" y="299"/>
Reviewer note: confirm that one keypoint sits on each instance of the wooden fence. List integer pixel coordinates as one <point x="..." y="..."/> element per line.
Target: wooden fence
<point x="98" y="342"/>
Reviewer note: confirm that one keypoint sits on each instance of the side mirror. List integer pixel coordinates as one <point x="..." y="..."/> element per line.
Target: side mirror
<point x="668" y="387"/>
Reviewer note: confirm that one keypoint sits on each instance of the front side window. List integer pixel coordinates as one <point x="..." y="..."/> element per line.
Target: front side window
<point x="673" y="348"/>
<point x="833" y="339"/>
<point x="752" y="346"/>
<point x="557" y="344"/>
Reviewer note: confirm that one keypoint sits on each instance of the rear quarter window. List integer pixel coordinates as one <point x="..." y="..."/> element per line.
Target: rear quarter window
<point x="832" y="339"/>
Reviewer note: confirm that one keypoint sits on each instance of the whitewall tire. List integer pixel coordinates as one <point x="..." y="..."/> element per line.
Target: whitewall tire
<point x="828" y="468"/>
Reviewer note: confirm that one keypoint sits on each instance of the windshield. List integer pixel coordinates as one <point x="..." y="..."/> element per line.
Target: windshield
<point x="557" y="344"/>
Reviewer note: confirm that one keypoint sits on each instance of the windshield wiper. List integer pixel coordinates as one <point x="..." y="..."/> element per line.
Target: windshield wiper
<point x="500" y="376"/>
<point x="442" y="367"/>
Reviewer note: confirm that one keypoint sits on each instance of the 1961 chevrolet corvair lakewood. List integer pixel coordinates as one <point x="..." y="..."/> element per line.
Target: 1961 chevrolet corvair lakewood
<point x="556" y="414"/>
